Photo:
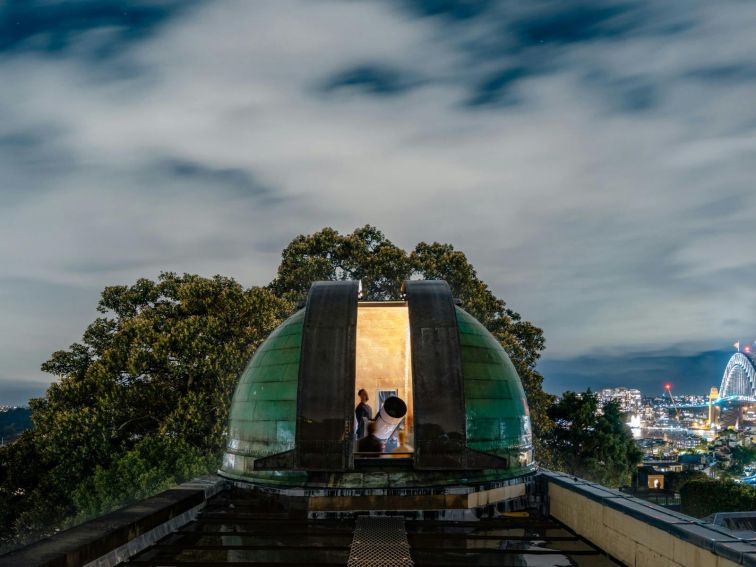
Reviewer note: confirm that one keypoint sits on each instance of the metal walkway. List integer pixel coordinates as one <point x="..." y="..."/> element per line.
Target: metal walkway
<point x="245" y="529"/>
<point x="380" y="541"/>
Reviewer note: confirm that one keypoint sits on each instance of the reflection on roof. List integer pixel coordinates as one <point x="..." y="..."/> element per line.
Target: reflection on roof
<point x="242" y="527"/>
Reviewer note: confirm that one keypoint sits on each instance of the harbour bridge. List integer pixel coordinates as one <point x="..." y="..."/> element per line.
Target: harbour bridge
<point x="739" y="379"/>
<point x="738" y="386"/>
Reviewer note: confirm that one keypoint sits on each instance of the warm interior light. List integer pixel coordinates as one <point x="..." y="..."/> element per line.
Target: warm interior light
<point x="384" y="366"/>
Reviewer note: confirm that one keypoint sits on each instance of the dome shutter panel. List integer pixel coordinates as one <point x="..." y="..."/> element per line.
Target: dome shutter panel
<point x="325" y="396"/>
<point x="438" y="389"/>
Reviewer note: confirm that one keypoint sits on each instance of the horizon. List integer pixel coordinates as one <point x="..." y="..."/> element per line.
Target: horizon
<point x="559" y="376"/>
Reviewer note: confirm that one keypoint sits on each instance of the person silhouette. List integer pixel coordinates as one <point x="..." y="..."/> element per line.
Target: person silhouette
<point x="363" y="412"/>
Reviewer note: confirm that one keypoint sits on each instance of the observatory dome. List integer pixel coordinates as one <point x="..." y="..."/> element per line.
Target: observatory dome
<point x="464" y="416"/>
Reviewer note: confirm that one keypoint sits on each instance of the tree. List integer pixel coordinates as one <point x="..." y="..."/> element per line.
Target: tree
<point x="731" y="466"/>
<point x="676" y="480"/>
<point x="701" y="498"/>
<point x="590" y="444"/>
<point x="154" y="464"/>
<point x="743" y="456"/>
<point x="364" y="255"/>
<point x="160" y="364"/>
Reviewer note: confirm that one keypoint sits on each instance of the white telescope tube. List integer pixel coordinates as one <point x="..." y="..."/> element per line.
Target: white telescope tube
<point x="388" y="419"/>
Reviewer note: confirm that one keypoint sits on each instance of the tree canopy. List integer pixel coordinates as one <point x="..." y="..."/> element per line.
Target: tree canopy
<point x="142" y="400"/>
<point x="700" y="498"/>
<point x="590" y="444"/>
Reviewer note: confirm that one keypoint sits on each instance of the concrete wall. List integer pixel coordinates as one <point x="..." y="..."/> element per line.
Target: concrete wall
<point x="638" y="533"/>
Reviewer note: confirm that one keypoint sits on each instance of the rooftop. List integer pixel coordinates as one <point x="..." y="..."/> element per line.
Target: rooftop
<point x="239" y="528"/>
<point x="565" y="522"/>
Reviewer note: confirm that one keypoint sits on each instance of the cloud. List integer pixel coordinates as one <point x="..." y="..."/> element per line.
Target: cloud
<point x="595" y="162"/>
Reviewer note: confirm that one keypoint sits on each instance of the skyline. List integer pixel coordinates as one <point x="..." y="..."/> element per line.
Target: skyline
<point x="594" y="162"/>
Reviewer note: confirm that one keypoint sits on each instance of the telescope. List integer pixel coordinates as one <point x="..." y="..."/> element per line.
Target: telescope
<point x="388" y="419"/>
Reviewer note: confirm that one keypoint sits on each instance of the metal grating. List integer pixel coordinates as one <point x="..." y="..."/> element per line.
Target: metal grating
<point x="380" y="541"/>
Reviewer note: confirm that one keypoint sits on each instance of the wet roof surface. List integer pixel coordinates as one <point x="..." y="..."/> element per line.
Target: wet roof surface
<point x="238" y="529"/>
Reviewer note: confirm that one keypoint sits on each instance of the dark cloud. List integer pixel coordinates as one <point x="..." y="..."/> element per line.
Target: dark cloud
<point x="577" y="22"/>
<point x="497" y="89"/>
<point x="20" y="142"/>
<point x="374" y="79"/>
<point x="726" y="73"/>
<point x="542" y="23"/>
<point x="237" y="182"/>
<point x="460" y="10"/>
<point x="524" y="40"/>
<point x="52" y="27"/>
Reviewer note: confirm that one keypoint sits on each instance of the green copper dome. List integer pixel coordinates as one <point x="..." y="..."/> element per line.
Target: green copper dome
<point x="263" y="414"/>
<point x="262" y="445"/>
<point x="496" y="411"/>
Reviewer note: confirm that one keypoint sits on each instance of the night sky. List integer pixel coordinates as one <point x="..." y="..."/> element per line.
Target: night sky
<point x="595" y="161"/>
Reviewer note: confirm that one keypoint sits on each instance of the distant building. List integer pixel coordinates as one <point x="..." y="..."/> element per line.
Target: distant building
<point x="630" y="399"/>
<point x="693" y="461"/>
<point x="650" y="478"/>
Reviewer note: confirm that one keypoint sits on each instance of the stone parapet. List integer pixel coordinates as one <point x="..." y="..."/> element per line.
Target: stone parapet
<point x="113" y="538"/>
<point x="638" y="533"/>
